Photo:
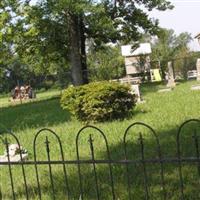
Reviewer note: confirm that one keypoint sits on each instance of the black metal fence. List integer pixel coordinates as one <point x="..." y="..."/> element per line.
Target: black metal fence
<point x="169" y="179"/>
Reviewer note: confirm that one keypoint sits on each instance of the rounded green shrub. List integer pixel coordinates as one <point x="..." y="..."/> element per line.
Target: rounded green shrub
<point x="98" y="101"/>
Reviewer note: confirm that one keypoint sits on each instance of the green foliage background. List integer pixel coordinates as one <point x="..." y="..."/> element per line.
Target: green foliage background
<point x="36" y="36"/>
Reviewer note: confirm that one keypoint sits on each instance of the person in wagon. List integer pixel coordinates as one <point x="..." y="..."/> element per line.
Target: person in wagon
<point x="22" y="91"/>
<point x="30" y="92"/>
<point x="17" y="92"/>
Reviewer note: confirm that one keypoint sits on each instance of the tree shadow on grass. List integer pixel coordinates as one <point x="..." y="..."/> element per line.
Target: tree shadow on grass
<point x="34" y="114"/>
<point x="171" y="173"/>
<point x="152" y="87"/>
<point x="155" y="188"/>
<point x="135" y="171"/>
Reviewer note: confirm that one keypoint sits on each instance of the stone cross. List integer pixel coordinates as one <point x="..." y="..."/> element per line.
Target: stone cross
<point x="171" y="82"/>
<point x="198" y="69"/>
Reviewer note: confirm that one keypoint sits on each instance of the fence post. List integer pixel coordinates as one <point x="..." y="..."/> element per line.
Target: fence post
<point x="196" y="143"/>
<point x="144" y="167"/>
<point x="109" y="158"/>
<point x="94" y="166"/>
<point x="50" y="169"/>
<point x="10" y="169"/>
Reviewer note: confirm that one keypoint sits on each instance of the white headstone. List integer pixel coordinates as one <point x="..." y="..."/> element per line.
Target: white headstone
<point x="198" y="69"/>
<point x="171" y="82"/>
<point x="195" y="87"/>
<point x="136" y="91"/>
<point x="14" y="154"/>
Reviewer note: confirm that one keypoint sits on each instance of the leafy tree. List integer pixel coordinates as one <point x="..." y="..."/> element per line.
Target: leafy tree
<point x="105" y="63"/>
<point x="168" y="46"/>
<point x="54" y="31"/>
<point x="5" y="39"/>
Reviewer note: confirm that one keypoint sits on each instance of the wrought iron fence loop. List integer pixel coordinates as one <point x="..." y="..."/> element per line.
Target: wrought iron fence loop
<point x="108" y="155"/>
<point x="152" y="131"/>
<point x="143" y="160"/>
<point x="179" y="154"/>
<point x="23" y="169"/>
<point x="42" y="131"/>
<point x="6" y="143"/>
<point x="21" y="158"/>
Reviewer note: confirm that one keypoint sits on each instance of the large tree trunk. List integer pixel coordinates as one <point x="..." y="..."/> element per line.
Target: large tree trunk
<point x="83" y="51"/>
<point x="77" y="53"/>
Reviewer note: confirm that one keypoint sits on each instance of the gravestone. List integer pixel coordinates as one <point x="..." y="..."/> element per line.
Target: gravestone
<point x="171" y="82"/>
<point x="136" y="91"/>
<point x="195" y="87"/>
<point x="198" y="69"/>
<point x="15" y="158"/>
<point x="14" y="154"/>
<point x="165" y="90"/>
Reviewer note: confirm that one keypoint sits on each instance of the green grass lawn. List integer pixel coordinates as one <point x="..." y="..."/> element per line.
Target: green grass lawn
<point x="162" y="111"/>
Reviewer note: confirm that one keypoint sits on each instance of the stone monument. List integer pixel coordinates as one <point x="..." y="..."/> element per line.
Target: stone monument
<point x="136" y="91"/>
<point x="14" y="151"/>
<point x="171" y="82"/>
<point x="198" y="69"/>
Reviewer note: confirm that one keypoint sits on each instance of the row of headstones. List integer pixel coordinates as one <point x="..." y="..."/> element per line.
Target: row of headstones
<point x="171" y="76"/>
<point x="170" y="80"/>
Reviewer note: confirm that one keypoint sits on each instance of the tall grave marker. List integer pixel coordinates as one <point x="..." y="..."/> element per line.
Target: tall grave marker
<point x="198" y="69"/>
<point x="171" y="82"/>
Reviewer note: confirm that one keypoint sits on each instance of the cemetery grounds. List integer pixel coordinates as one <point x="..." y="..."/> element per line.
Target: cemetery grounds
<point x="164" y="112"/>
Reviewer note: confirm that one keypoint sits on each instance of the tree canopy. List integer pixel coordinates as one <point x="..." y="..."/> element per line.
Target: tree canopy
<point x="49" y="35"/>
<point x="168" y="46"/>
